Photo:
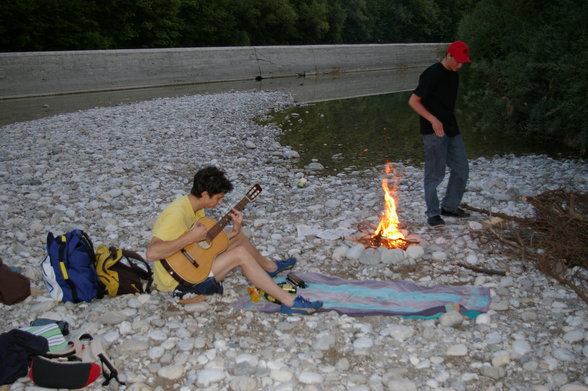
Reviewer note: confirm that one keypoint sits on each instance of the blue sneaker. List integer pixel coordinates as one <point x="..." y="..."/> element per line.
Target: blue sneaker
<point x="301" y="306"/>
<point x="283" y="265"/>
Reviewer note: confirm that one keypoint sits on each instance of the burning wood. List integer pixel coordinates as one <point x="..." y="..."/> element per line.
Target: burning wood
<point x="387" y="234"/>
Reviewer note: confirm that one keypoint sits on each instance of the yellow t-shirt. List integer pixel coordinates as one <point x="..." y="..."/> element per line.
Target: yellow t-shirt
<point x="177" y="218"/>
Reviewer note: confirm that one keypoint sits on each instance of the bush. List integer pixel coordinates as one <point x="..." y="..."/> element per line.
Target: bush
<point x="530" y="68"/>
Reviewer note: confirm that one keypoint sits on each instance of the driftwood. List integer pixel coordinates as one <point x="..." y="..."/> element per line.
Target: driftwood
<point x="483" y="270"/>
<point x="555" y="239"/>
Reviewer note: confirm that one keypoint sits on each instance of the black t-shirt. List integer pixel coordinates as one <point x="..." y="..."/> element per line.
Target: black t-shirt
<point x="438" y="92"/>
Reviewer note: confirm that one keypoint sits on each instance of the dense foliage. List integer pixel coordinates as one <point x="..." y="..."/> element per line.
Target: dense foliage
<point x="33" y="25"/>
<point x="530" y="69"/>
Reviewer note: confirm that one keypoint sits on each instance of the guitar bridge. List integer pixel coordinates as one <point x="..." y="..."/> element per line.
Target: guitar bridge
<point x="189" y="258"/>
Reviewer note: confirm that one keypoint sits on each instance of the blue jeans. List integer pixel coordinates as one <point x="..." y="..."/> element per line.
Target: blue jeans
<point x="441" y="152"/>
<point x="207" y="287"/>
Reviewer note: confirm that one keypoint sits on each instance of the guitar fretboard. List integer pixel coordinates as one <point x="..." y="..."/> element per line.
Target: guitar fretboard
<point x="226" y="219"/>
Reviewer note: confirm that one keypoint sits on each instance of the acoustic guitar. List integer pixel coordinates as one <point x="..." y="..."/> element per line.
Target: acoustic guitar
<point x="192" y="264"/>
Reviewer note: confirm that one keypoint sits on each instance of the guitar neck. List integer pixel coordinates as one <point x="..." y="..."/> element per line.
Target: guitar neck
<point x="226" y="219"/>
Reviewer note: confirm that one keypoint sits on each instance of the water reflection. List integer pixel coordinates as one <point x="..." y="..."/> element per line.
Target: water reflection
<point x="367" y="131"/>
<point x="302" y="89"/>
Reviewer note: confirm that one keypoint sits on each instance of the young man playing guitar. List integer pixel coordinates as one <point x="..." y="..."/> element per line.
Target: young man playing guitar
<point x="178" y="227"/>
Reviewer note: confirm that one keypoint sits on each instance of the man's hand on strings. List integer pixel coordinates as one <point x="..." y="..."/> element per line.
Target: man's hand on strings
<point x="198" y="233"/>
<point x="237" y="218"/>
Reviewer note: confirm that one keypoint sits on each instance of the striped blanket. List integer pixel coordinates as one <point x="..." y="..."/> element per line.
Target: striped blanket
<point x="374" y="297"/>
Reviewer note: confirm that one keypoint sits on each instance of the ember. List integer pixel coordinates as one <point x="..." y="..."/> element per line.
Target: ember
<point x="387" y="234"/>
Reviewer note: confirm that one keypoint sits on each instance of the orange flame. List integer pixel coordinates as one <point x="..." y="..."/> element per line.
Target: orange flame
<point x="387" y="233"/>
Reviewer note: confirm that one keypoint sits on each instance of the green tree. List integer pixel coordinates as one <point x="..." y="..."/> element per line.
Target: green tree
<point x="141" y="23"/>
<point x="530" y="68"/>
<point x="208" y="23"/>
<point x="266" y="22"/>
<point x="356" y="23"/>
<point x="335" y="19"/>
<point x="312" y="22"/>
<point x="409" y="21"/>
<point x="33" y="25"/>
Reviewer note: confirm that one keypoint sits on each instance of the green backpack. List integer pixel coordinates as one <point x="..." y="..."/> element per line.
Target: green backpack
<point x="123" y="271"/>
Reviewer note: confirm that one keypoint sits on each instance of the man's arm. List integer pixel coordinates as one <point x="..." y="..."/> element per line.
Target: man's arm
<point x="415" y="103"/>
<point x="160" y="249"/>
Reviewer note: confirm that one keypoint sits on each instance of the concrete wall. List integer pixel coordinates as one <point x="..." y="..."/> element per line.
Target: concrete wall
<point x="50" y="73"/>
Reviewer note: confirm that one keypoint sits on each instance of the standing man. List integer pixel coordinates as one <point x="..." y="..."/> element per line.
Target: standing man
<point x="434" y="101"/>
<point x="177" y="227"/>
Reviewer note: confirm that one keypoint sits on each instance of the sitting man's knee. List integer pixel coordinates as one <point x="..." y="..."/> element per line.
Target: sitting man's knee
<point x="240" y="252"/>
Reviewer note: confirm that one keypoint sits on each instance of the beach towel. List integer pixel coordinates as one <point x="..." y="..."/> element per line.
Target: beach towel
<point x="375" y="297"/>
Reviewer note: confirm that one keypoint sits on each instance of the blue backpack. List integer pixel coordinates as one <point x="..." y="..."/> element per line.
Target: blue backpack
<point x="68" y="270"/>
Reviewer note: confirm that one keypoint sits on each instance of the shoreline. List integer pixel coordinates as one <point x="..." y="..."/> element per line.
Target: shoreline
<point x="110" y="171"/>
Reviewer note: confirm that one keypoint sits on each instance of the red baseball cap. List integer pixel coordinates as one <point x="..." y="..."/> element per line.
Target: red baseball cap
<point x="460" y="51"/>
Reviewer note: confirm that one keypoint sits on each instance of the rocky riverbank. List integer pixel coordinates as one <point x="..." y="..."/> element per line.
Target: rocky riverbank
<point x="110" y="171"/>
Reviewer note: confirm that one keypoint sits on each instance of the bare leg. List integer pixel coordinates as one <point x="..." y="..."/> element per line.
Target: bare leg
<point x="239" y="256"/>
<point x="242" y="240"/>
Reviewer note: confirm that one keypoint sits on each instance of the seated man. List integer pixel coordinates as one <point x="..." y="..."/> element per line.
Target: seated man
<point x="178" y="227"/>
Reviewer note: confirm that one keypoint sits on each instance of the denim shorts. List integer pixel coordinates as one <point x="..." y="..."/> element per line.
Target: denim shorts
<point x="207" y="287"/>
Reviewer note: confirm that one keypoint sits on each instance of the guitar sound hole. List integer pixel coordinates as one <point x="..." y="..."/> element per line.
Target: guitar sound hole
<point x="205" y="244"/>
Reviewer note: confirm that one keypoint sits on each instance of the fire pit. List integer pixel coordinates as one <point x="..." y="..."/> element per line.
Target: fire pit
<point x="387" y="233"/>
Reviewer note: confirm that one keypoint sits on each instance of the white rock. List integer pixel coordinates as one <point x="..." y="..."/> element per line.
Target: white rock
<point x="415" y="252"/>
<point x="171" y="372"/>
<point x="125" y="328"/>
<point x="289" y="154"/>
<point x="476" y="226"/>
<point x="324" y="341"/>
<point x="314" y="166"/>
<point x="248" y="358"/>
<point x="451" y="319"/>
<point x="355" y="252"/>
<point x="392" y="256"/>
<point x="439" y="256"/>
<point x="139" y="387"/>
<point x="307" y="377"/>
<point x="401" y="384"/>
<point x="155" y="352"/>
<point x="399" y="332"/>
<point x="457" y="350"/>
<point x="186" y="344"/>
<point x="363" y="343"/>
<point x="244" y="383"/>
<point x="340" y="252"/>
<point x="483" y="319"/>
<point x="111" y="337"/>
<point x="197" y="308"/>
<point x="157" y="335"/>
<point x="573" y="387"/>
<point x="370" y="256"/>
<point x="208" y="376"/>
<point x="282" y="374"/>
<point x="564" y="355"/>
<point x="520" y="347"/>
<point x="472" y="259"/>
<point x="500" y="358"/>
<point x="573" y="336"/>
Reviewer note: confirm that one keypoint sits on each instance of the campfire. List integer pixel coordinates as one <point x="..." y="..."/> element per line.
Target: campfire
<point x="387" y="234"/>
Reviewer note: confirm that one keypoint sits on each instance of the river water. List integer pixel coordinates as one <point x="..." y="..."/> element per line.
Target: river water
<point x="344" y="121"/>
<point x="366" y="131"/>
